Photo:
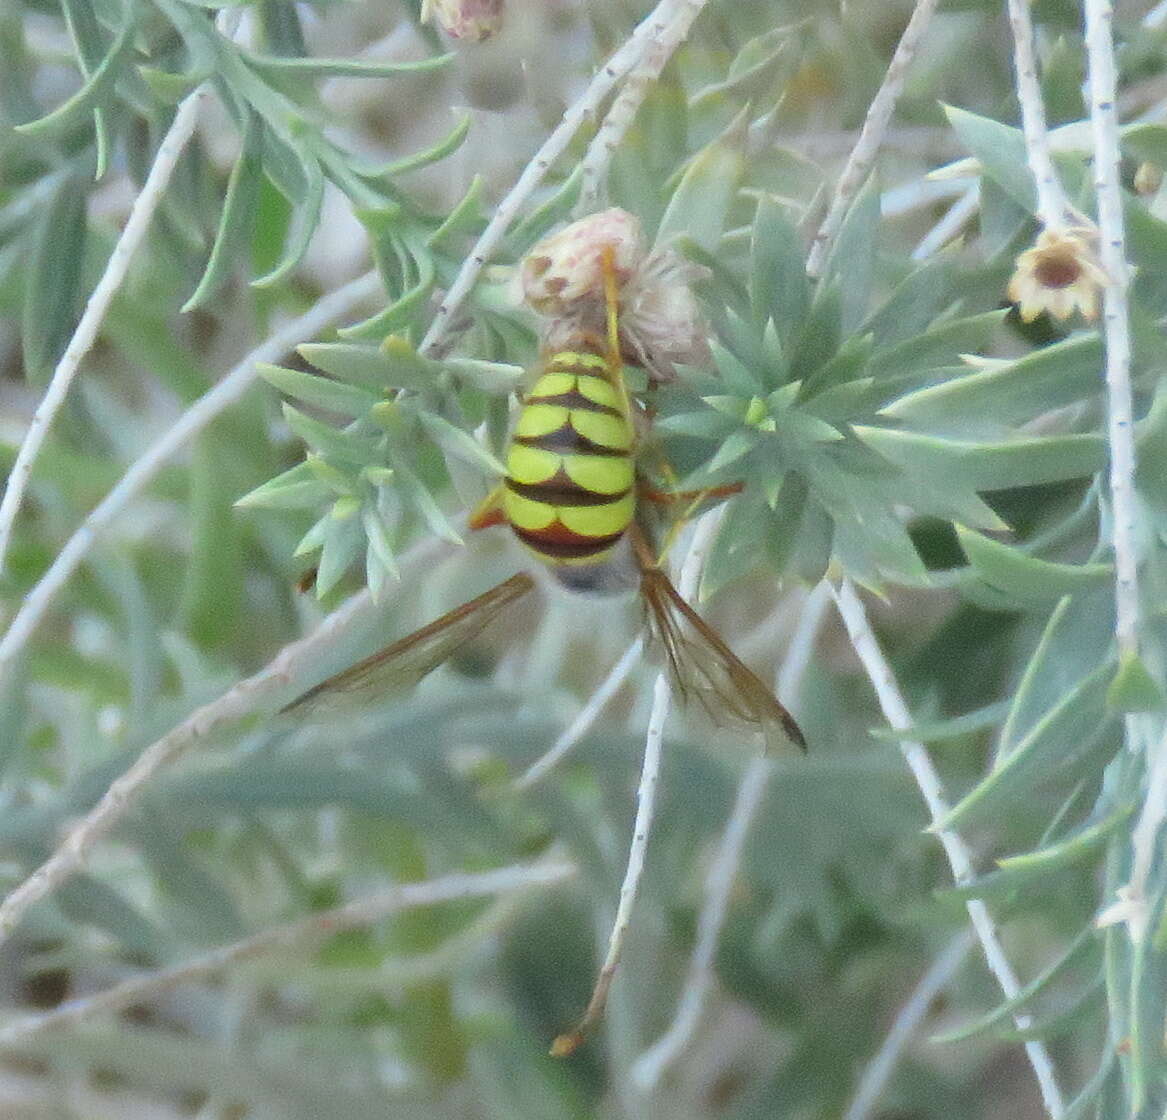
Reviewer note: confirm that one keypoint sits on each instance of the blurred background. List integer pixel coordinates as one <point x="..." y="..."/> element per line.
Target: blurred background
<point x="844" y="942"/>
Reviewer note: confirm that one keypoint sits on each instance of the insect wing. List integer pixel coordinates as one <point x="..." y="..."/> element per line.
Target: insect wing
<point x="400" y="666"/>
<point x="704" y="668"/>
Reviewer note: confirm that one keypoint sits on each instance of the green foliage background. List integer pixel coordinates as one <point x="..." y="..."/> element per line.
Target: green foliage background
<point x="969" y="499"/>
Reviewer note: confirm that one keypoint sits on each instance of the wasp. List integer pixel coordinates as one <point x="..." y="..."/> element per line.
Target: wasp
<point x="575" y="500"/>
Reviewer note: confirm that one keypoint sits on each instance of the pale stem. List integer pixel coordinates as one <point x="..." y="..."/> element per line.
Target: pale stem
<point x="895" y="711"/>
<point x="622" y="61"/>
<point x="862" y="157"/>
<point x="300" y="936"/>
<point x="210" y="405"/>
<point x="1115" y="320"/>
<point x="584" y="719"/>
<point x="1052" y="206"/>
<point x="907" y="1021"/>
<point x="256" y="692"/>
<point x="702" y="542"/>
<point x="954" y="219"/>
<point x="138" y="223"/>
<point x="655" y="1061"/>
<point x="618" y="119"/>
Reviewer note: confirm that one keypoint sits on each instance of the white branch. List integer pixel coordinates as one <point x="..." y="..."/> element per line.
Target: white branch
<point x="37" y="602"/>
<point x="141" y="215"/>
<point x="862" y="157"/>
<point x="584" y="719"/>
<point x="300" y="936"/>
<point x="910" y="1016"/>
<point x="895" y="711"/>
<point x="703" y="534"/>
<point x="629" y="55"/>
<point x="618" y="119"/>
<point x="1052" y="206"/>
<point x="653" y="1063"/>
<point x="261" y="690"/>
<point x="1115" y="320"/>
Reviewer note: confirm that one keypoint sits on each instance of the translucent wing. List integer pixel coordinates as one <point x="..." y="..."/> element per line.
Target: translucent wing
<point x="703" y="667"/>
<point x="402" y="665"/>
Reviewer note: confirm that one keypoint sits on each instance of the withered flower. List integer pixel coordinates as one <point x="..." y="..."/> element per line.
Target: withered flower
<point x="1060" y="274"/>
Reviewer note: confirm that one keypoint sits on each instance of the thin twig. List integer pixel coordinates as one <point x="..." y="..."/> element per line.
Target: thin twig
<point x="908" y="1019"/>
<point x="1102" y="82"/>
<point x="702" y="542"/>
<point x="952" y="222"/>
<point x="618" y="119"/>
<point x="261" y="690"/>
<point x="624" y="59"/>
<point x="584" y="719"/>
<point x="862" y="157"/>
<point x="1052" y="205"/>
<point x="1115" y="320"/>
<point x="301" y="936"/>
<point x="141" y="215"/>
<point x="895" y="711"/>
<point x="36" y="603"/>
<point x="653" y="1062"/>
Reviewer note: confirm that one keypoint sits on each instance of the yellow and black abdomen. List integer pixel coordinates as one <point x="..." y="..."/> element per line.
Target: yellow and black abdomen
<point x="569" y="494"/>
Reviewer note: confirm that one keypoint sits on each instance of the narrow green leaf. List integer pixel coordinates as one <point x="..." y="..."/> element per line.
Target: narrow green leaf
<point x="1066" y="732"/>
<point x="1084" y="943"/>
<point x="466" y="216"/>
<point x="236" y="221"/>
<point x="460" y="444"/>
<point x="990" y="465"/>
<point x="93" y="91"/>
<point x="53" y="279"/>
<point x="940" y="345"/>
<point x="343" y="539"/>
<point x="395" y="364"/>
<point x="699" y="207"/>
<point x="297" y="488"/>
<point x="737" y="444"/>
<point x="1000" y="150"/>
<point x="399" y="314"/>
<point x="305" y="219"/>
<point x="969" y="723"/>
<point x="1011" y="393"/>
<point x="444" y="147"/>
<point x="87" y="38"/>
<point x="1133" y="688"/>
<point x="415" y="493"/>
<point x="1027" y="578"/>
<point x="344" y="67"/>
<point x="320" y="392"/>
<point x="490" y="377"/>
<point x="344" y="446"/>
<point x="1065" y="853"/>
<point x="852" y="261"/>
<point x="377" y="534"/>
<point x="779" y="290"/>
<point x="914" y="304"/>
<point x="705" y="425"/>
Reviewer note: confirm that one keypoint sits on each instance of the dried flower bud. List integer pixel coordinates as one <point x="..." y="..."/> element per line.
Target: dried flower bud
<point x="1148" y="178"/>
<point x="474" y="20"/>
<point x="562" y="276"/>
<point x="1059" y="274"/>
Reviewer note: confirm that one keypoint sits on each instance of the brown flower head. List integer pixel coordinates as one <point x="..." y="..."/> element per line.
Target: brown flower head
<point x="1060" y="274"/>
